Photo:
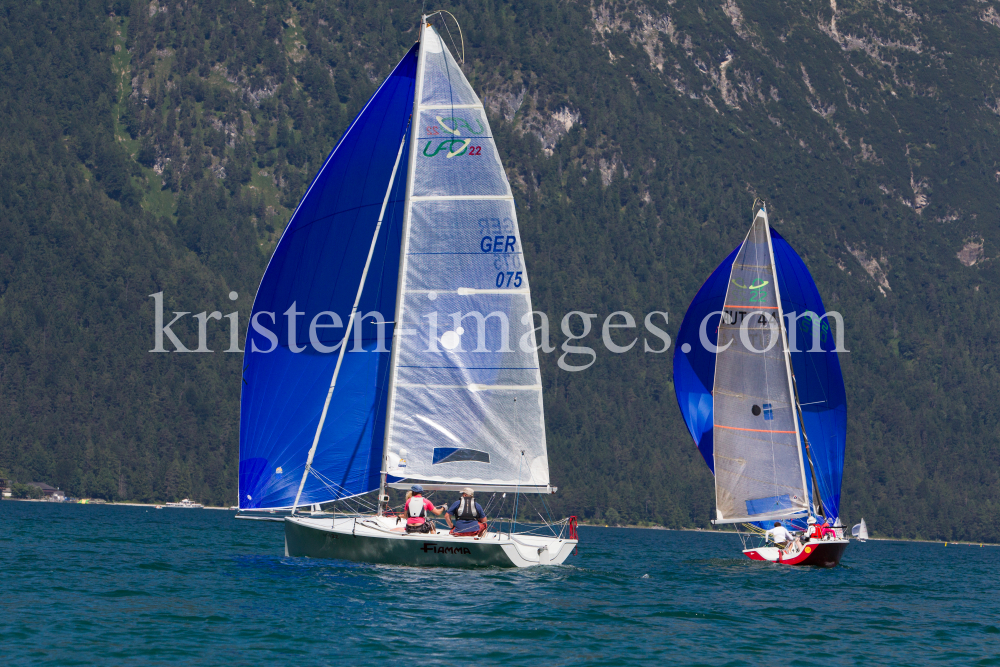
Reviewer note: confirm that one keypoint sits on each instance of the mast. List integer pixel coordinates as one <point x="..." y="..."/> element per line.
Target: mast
<point x="784" y="344"/>
<point x="411" y="169"/>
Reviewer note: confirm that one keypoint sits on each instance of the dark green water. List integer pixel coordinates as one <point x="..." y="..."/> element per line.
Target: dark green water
<point x="130" y="585"/>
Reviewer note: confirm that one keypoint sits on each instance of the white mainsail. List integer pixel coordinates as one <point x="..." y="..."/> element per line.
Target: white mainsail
<point x="759" y="472"/>
<point x="465" y="401"/>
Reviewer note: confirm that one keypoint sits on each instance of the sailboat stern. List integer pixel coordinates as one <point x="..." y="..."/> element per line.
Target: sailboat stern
<point x="815" y="553"/>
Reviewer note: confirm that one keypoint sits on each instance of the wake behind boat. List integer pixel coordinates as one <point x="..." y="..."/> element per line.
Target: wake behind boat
<point x="765" y="402"/>
<point x="411" y="214"/>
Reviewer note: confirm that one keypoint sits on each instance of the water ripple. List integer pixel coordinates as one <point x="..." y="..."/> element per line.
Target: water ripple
<point x="92" y="585"/>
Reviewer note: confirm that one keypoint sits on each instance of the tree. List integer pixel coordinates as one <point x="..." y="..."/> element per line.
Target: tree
<point x="25" y="491"/>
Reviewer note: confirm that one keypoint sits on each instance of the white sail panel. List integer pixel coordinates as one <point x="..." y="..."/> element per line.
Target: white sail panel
<point x="443" y="81"/>
<point x="485" y="234"/>
<point x="758" y="463"/>
<point x="466" y="399"/>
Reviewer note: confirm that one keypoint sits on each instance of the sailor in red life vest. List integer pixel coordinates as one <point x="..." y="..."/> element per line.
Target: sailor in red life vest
<point x="416" y="511"/>
<point x="812" y="530"/>
<point x="818" y="531"/>
<point x="470" y="519"/>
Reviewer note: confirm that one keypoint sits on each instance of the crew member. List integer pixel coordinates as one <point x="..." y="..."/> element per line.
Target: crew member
<point x="815" y="530"/>
<point x="417" y="508"/>
<point x="779" y="535"/>
<point x="825" y="529"/>
<point x="470" y="519"/>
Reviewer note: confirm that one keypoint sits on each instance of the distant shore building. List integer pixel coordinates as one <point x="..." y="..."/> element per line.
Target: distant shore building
<point x="49" y="492"/>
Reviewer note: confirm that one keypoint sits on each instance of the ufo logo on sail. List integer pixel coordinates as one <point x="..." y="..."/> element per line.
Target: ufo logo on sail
<point x="763" y="284"/>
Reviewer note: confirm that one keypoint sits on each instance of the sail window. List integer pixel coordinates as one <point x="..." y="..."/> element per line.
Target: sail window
<point x="769" y="505"/>
<point x="455" y="454"/>
<point x="768" y="412"/>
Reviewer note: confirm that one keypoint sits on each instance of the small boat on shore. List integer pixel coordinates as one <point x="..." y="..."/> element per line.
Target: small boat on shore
<point x="764" y="400"/>
<point x="186" y="504"/>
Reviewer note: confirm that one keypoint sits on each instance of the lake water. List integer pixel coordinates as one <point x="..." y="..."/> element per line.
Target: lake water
<point x="93" y="584"/>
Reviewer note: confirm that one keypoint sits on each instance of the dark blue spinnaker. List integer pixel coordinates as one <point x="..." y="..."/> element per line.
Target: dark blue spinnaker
<point x="694" y="370"/>
<point x="818" y="377"/>
<point x="317" y="267"/>
<point x="819" y="381"/>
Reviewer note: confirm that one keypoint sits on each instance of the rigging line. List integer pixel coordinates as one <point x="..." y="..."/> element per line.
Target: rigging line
<point x="385" y="252"/>
<point x="347" y="333"/>
<point x="345" y="496"/>
<point x="344" y="493"/>
<point x="457" y="24"/>
<point x="805" y="439"/>
<point x="451" y="88"/>
<point x="547" y="510"/>
<point x="517" y="493"/>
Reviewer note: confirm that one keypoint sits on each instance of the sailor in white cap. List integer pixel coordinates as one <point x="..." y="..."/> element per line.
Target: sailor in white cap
<point x="469" y="517"/>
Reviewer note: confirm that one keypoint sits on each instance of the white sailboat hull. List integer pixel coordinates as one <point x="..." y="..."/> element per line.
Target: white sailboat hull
<point x="371" y="539"/>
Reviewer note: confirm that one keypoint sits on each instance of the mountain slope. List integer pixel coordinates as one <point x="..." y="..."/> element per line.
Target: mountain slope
<point x="163" y="148"/>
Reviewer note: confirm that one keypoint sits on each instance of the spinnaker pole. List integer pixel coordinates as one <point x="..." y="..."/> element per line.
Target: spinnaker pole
<point x="350" y="327"/>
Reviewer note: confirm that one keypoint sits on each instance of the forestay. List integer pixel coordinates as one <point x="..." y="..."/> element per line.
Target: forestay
<point x="466" y="399"/>
<point x="758" y="461"/>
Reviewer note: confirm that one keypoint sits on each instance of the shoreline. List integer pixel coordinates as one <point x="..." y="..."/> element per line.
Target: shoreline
<point x="711" y="531"/>
<point x="162" y="505"/>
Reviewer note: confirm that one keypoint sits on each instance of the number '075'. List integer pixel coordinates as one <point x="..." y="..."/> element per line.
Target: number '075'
<point x="505" y="278"/>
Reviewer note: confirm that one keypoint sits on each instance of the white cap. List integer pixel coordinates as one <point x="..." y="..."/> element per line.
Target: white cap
<point x="467" y="491"/>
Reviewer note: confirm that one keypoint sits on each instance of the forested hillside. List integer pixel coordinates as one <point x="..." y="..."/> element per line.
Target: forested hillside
<point x="161" y="146"/>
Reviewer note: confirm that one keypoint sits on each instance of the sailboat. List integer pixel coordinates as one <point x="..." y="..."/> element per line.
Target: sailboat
<point x="406" y="250"/>
<point x="860" y="531"/>
<point x="763" y="397"/>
